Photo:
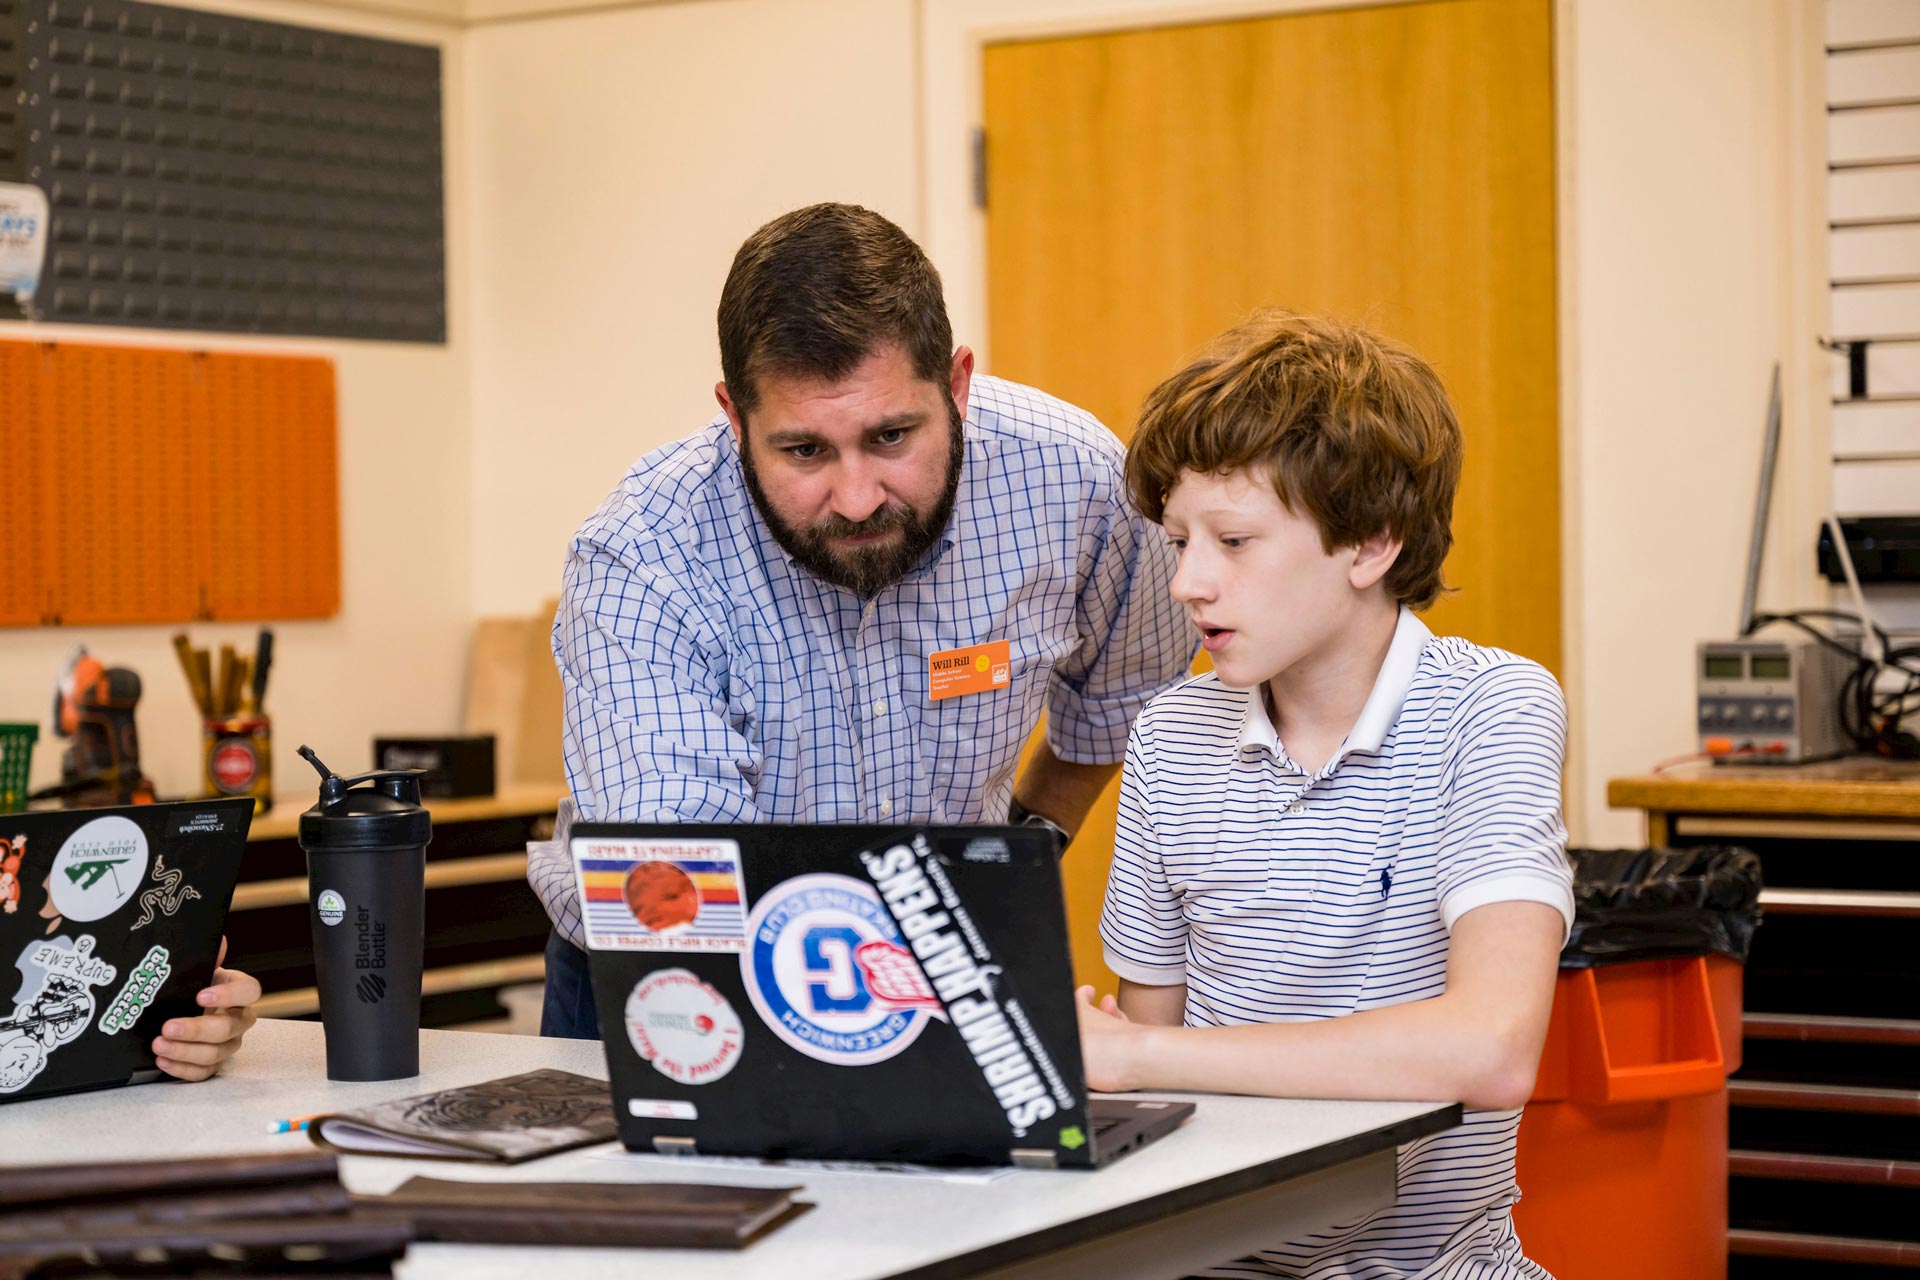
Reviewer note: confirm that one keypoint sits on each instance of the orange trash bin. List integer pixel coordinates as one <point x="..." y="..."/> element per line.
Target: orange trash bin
<point x="1622" y="1156"/>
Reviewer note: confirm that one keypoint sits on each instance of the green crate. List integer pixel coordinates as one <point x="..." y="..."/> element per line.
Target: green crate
<point x="16" y="757"/>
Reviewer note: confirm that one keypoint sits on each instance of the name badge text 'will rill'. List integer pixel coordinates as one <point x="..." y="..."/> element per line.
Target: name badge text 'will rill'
<point x="979" y="668"/>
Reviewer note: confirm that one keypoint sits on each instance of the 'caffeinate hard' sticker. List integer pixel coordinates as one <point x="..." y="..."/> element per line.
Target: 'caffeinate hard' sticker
<point x="661" y="895"/>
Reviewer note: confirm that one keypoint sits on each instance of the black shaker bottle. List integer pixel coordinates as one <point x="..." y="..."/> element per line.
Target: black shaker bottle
<point x="366" y="852"/>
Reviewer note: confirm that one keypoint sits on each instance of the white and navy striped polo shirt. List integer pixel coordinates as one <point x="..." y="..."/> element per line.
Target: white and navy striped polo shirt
<point x="1281" y="896"/>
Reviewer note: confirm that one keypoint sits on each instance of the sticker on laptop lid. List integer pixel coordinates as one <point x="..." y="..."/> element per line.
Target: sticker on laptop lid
<point x="829" y="972"/>
<point x="12" y="852"/>
<point x="661" y="1109"/>
<point x="968" y="985"/>
<point x="660" y="895"/>
<point x="683" y="1027"/>
<point x="167" y="896"/>
<point x="98" y="868"/>
<point x="142" y="988"/>
<point x="54" y="1006"/>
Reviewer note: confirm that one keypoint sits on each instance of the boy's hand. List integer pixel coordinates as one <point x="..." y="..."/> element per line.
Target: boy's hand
<point x="1109" y="1041"/>
<point x="194" y="1048"/>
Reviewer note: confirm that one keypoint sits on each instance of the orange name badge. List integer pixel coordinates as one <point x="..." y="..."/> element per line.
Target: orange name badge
<point x="979" y="668"/>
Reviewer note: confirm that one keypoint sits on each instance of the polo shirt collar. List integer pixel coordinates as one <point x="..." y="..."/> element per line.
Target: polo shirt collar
<point x="1369" y="732"/>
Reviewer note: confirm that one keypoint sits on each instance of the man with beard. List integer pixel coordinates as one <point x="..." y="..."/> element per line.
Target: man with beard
<point x="849" y="597"/>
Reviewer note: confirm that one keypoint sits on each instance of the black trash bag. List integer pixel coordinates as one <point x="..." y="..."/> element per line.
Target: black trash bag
<point x="1660" y="904"/>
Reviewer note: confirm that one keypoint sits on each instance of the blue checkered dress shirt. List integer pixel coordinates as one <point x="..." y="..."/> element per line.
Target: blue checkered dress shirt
<point x="710" y="679"/>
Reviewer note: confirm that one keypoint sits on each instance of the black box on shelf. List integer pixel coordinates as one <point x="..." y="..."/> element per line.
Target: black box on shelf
<point x="456" y="767"/>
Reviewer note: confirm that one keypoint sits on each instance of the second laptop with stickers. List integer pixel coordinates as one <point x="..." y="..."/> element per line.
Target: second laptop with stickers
<point x="844" y="992"/>
<point x="110" y="923"/>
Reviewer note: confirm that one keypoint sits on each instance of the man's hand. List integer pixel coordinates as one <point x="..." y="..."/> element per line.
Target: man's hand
<point x="194" y="1048"/>
<point x="1109" y="1043"/>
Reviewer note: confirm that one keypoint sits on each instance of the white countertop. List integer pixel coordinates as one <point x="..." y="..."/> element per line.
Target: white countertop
<point x="864" y="1224"/>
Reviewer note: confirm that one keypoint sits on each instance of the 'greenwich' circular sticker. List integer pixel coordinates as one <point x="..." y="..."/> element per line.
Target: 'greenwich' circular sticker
<point x="332" y="907"/>
<point x="683" y="1027"/>
<point x="98" y="868"/>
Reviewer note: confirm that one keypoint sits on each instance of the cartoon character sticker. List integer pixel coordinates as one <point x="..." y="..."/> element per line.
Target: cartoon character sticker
<point x="11" y="852"/>
<point x="55" y="1004"/>
<point x="827" y="971"/>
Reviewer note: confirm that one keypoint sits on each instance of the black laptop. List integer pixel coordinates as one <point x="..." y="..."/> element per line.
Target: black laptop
<point x="110" y="922"/>
<point x="844" y="992"/>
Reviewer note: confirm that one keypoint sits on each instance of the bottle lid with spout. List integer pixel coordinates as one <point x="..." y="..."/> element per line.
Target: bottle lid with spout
<point x="350" y="815"/>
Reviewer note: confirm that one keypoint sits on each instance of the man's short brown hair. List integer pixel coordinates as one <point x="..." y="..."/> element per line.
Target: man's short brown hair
<point x="1353" y="431"/>
<point x="816" y="291"/>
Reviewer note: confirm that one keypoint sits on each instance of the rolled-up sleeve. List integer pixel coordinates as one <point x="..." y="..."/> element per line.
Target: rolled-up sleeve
<point x="1135" y="641"/>
<point x="648" y="733"/>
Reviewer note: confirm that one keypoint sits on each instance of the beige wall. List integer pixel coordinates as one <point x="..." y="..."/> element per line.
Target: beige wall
<point x="602" y="167"/>
<point x="618" y="159"/>
<point x="1690" y="172"/>
<point x="391" y="661"/>
<point x="1690" y="261"/>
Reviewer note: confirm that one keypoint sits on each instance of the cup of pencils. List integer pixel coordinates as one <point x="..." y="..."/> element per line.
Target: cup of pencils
<point x="236" y="735"/>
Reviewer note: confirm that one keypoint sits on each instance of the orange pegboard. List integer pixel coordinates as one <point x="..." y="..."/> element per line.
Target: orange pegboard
<point x="25" y="530"/>
<point x="183" y="486"/>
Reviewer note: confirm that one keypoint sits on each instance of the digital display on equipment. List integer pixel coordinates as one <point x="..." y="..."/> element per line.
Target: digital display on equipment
<point x="1725" y="666"/>
<point x="1772" y="668"/>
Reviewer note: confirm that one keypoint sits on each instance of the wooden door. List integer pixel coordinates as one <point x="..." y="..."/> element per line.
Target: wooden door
<point x="1390" y="165"/>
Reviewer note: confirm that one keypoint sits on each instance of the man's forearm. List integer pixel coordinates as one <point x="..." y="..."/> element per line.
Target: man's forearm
<point x="1060" y="791"/>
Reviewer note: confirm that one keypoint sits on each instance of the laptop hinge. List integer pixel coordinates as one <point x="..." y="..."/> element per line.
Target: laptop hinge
<point x="673" y="1146"/>
<point x="1034" y="1158"/>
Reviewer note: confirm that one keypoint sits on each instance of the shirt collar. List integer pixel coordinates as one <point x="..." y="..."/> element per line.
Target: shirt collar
<point x="1369" y="732"/>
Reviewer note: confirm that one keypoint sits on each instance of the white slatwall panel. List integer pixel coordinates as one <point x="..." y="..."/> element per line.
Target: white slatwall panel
<point x="1875" y="253"/>
<point x="1884" y="193"/>
<point x="1893" y="369"/>
<point x="1874" y="135"/>
<point x="1873" y="208"/>
<point x="1876" y="488"/>
<point x="1872" y="21"/>
<point x="1873" y="78"/>
<point x="1876" y="311"/>
<point x="1869" y="429"/>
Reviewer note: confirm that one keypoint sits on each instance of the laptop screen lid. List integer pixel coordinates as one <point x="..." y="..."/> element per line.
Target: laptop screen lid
<point x="856" y="992"/>
<point x="110" y="921"/>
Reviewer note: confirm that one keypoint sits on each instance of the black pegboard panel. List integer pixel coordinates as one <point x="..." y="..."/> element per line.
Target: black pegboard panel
<point x="13" y="90"/>
<point x="218" y="173"/>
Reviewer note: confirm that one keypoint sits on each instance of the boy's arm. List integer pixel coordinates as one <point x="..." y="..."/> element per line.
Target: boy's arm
<point x="1477" y="1043"/>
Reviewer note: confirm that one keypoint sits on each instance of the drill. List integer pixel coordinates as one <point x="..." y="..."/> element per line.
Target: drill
<point x="93" y="704"/>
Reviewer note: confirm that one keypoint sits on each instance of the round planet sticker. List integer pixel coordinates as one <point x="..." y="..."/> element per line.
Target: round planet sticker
<point x="684" y="1027"/>
<point x="332" y="907"/>
<point x="98" y="869"/>
<point x="661" y="896"/>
